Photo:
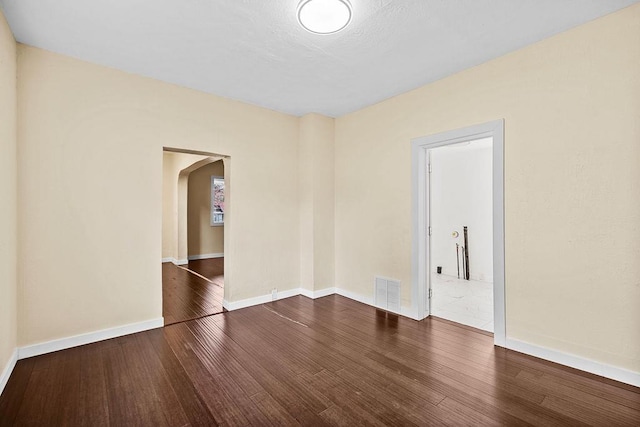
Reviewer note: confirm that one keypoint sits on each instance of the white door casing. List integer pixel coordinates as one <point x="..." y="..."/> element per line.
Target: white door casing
<point x="420" y="217"/>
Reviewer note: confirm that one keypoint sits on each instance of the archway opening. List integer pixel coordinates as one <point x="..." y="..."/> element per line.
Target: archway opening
<point x="196" y="196"/>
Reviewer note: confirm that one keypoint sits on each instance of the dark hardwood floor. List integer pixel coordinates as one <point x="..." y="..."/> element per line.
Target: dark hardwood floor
<point x="212" y="269"/>
<point x="185" y="296"/>
<point x="331" y="361"/>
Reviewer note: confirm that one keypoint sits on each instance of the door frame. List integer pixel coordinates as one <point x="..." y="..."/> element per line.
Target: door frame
<point x="181" y="234"/>
<point x="420" y="217"/>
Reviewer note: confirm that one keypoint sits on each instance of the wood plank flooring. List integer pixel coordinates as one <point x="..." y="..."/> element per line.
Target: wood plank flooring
<point x="185" y="296"/>
<point x="212" y="268"/>
<point x="296" y="361"/>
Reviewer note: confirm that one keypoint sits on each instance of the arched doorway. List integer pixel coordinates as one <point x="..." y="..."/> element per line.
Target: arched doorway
<point x="194" y="283"/>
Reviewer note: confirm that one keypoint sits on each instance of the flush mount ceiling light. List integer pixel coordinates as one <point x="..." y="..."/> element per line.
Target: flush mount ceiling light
<point x="324" y="16"/>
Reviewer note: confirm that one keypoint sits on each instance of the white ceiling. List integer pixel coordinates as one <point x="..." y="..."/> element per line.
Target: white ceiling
<point x="255" y="51"/>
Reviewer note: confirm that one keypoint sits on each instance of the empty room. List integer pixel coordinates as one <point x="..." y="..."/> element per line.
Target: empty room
<point x="319" y="212"/>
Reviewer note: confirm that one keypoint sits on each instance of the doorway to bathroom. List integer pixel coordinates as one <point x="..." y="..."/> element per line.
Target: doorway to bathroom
<point x="461" y="240"/>
<point x="452" y="233"/>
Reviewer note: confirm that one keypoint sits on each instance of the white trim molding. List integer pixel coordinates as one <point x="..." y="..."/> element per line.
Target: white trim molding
<point x="249" y="302"/>
<point x="368" y="300"/>
<point x="420" y="267"/>
<point x="88" y="338"/>
<point x="582" y="364"/>
<point x="404" y="311"/>
<point x="174" y="261"/>
<point x="8" y="369"/>
<point x="317" y="294"/>
<point x="205" y="256"/>
<point x="577" y="362"/>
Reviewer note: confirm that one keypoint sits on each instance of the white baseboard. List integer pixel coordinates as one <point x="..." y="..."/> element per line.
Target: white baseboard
<point x="88" y="338"/>
<point x="607" y="371"/>
<point x="577" y="362"/>
<point x="356" y="297"/>
<point x="175" y="261"/>
<point x="368" y="300"/>
<point x="306" y="293"/>
<point x="236" y="305"/>
<point x="205" y="256"/>
<point x="317" y="294"/>
<point x="191" y="258"/>
<point x="8" y="369"/>
<point x="249" y="302"/>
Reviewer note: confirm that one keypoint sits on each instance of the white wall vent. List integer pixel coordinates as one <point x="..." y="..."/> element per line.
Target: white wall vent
<point x="387" y="294"/>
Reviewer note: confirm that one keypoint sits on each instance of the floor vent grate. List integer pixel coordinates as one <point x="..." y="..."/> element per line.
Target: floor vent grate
<point x="387" y="294"/>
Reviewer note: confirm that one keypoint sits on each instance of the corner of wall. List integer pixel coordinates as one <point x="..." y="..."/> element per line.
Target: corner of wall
<point x="317" y="201"/>
<point x="9" y="205"/>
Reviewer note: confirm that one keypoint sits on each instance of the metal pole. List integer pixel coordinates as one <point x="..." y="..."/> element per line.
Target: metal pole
<point x="466" y="252"/>
<point x="458" y="259"/>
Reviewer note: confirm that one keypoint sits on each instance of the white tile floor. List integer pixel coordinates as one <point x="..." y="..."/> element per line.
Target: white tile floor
<point x="463" y="301"/>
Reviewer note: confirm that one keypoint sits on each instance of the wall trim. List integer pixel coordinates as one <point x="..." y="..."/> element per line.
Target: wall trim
<point x="317" y="294"/>
<point x="205" y="256"/>
<point x="8" y="369"/>
<point x="577" y="362"/>
<point x="572" y="361"/>
<point x="404" y="311"/>
<point x="368" y="300"/>
<point x="177" y="261"/>
<point x="249" y="302"/>
<point x="88" y="338"/>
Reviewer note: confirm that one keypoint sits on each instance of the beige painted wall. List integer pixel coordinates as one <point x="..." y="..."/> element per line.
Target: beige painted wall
<point x="172" y="164"/>
<point x="316" y="192"/>
<point x="571" y="106"/>
<point x="8" y="198"/>
<point x="202" y="237"/>
<point x="90" y="186"/>
<point x="169" y="209"/>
